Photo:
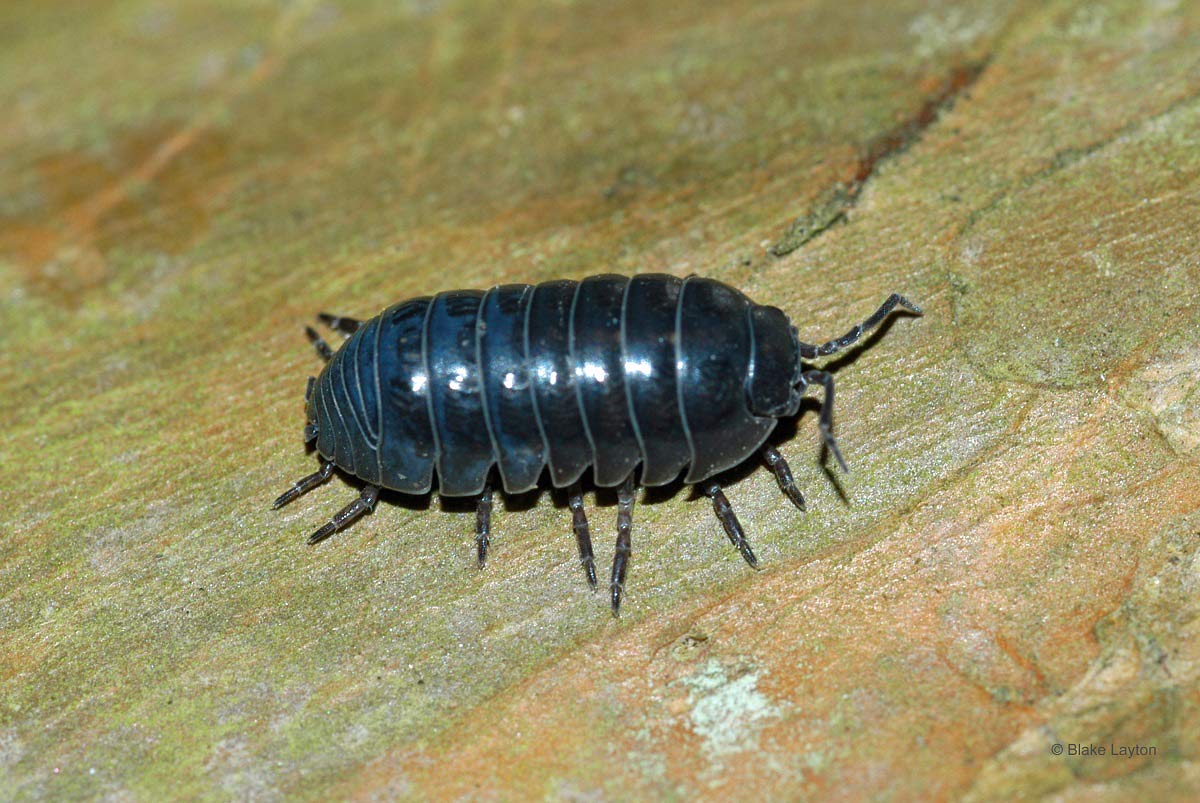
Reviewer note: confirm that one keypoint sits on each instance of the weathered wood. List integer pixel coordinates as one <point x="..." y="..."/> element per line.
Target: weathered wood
<point x="1011" y="564"/>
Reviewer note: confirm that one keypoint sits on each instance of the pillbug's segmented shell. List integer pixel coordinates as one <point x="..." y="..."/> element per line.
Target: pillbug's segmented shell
<point x="651" y="374"/>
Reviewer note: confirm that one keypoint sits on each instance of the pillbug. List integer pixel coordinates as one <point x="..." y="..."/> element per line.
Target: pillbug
<point x="652" y="373"/>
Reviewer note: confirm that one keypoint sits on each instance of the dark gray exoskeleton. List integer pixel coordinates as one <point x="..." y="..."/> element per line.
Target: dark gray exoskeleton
<point x="611" y="373"/>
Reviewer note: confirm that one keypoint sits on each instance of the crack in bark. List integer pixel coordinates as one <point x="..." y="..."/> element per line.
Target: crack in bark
<point x="833" y="204"/>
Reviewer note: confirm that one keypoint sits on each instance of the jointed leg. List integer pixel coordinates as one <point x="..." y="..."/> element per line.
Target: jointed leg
<point x="483" y="524"/>
<point x="340" y="323"/>
<point x="624" y="528"/>
<point x="319" y="344"/>
<point x="733" y="527"/>
<point x="808" y="351"/>
<point x="783" y="475"/>
<point x="342" y="519"/>
<point x="825" y="422"/>
<point x="583" y="534"/>
<point x="303" y="486"/>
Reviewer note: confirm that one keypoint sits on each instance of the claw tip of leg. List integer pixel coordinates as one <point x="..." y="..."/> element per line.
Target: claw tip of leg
<point x="616" y="599"/>
<point x="837" y="454"/>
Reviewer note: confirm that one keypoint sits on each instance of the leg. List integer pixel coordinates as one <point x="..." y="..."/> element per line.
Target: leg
<point x="583" y="534"/>
<point x="808" y="351"/>
<point x="303" y="486"/>
<point x="365" y="503"/>
<point x="624" y="528"/>
<point x="483" y="524"/>
<point x="319" y="344"/>
<point x="826" y="420"/>
<point x="733" y="527"/>
<point x="783" y="475"/>
<point x="340" y="323"/>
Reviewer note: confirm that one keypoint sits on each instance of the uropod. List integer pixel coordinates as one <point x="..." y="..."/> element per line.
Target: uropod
<point x="651" y="376"/>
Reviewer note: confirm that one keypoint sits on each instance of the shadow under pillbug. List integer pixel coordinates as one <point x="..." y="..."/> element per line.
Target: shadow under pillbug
<point x="653" y="372"/>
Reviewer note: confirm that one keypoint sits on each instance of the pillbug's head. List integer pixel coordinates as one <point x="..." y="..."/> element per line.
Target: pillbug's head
<point x="310" y="412"/>
<point x="775" y="364"/>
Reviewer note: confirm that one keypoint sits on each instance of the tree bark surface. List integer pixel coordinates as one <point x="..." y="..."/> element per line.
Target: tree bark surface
<point x="1011" y="565"/>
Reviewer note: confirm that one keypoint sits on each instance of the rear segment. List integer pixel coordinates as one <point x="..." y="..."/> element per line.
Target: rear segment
<point x="344" y="403"/>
